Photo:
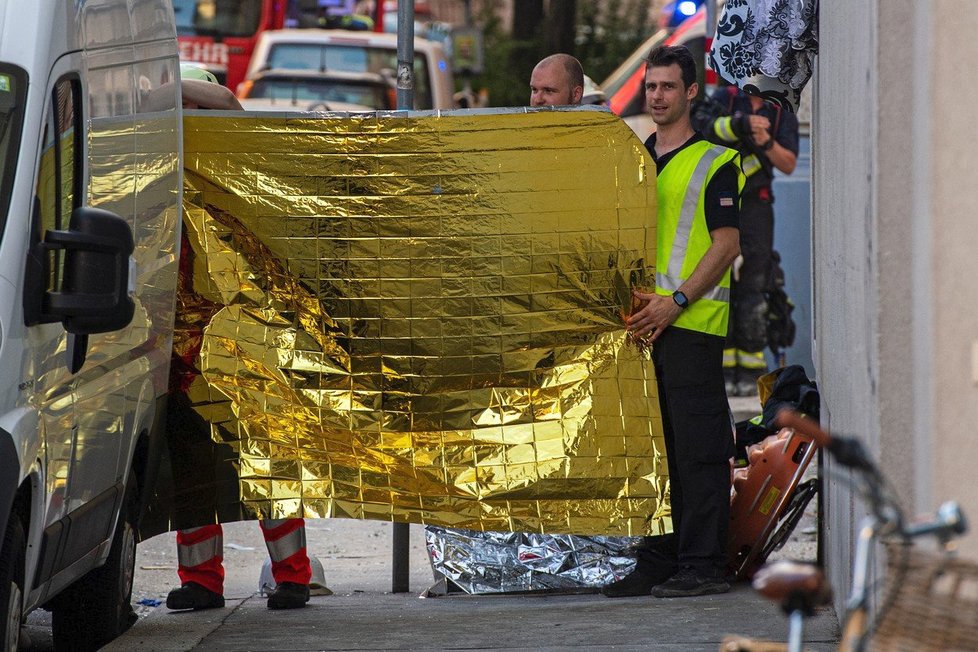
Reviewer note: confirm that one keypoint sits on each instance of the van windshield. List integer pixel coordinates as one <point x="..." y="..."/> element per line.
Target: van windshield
<point x="217" y="18"/>
<point x="348" y="57"/>
<point x="13" y="88"/>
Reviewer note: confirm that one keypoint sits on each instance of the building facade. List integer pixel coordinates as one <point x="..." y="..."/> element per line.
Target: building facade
<point x="895" y="300"/>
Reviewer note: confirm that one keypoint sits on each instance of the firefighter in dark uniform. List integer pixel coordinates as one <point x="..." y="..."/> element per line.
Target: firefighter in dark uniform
<point x="767" y="138"/>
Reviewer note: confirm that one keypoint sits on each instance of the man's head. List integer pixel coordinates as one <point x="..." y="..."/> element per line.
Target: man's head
<point x="557" y="80"/>
<point x="200" y="89"/>
<point x="670" y="84"/>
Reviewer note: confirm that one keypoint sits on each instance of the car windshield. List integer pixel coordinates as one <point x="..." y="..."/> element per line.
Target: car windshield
<point x="218" y="18"/>
<point x="349" y="58"/>
<point x="373" y="95"/>
<point x="13" y="87"/>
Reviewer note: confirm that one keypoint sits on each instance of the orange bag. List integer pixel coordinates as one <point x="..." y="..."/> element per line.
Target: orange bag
<point x="762" y="496"/>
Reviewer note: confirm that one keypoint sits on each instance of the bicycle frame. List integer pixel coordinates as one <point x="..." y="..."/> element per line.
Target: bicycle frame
<point x="885" y="519"/>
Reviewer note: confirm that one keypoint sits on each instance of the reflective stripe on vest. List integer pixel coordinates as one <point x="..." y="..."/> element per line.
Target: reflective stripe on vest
<point x="671" y="283"/>
<point x="690" y="237"/>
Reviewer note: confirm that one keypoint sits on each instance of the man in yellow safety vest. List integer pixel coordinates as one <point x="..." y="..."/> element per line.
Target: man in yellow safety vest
<point x="684" y="320"/>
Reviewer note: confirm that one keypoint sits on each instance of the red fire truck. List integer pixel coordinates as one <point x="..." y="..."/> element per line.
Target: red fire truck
<point x="221" y="34"/>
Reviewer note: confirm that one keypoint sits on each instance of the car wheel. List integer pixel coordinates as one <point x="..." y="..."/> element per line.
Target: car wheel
<point x="98" y="608"/>
<point x="12" y="583"/>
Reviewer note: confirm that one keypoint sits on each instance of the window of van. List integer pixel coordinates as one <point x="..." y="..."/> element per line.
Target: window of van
<point x="59" y="189"/>
<point x="350" y="58"/>
<point x="13" y="88"/>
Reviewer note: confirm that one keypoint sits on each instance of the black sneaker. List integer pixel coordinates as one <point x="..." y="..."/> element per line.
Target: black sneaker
<point x="689" y="582"/>
<point x="193" y="596"/>
<point x="639" y="582"/>
<point x="288" y="595"/>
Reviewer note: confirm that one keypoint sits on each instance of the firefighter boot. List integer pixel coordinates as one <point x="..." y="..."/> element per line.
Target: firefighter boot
<point x="288" y="595"/>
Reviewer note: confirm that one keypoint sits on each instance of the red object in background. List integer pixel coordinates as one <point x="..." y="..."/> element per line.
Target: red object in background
<point x="379" y="17"/>
<point x="223" y="38"/>
<point x="709" y="74"/>
<point x="632" y="92"/>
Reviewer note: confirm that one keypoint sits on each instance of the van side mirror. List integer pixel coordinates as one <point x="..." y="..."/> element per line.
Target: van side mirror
<point x="94" y="293"/>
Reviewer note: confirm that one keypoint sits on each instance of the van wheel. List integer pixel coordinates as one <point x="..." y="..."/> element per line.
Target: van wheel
<point x="12" y="584"/>
<point x="98" y="607"/>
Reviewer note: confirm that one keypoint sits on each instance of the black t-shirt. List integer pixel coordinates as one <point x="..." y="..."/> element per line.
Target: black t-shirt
<point x="722" y="194"/>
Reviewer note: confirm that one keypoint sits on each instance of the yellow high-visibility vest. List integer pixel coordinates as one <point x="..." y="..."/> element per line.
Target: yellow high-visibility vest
<point x="683" y="237"/>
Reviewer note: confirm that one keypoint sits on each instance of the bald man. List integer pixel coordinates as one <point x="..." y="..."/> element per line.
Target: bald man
<point x="557" y="80"/>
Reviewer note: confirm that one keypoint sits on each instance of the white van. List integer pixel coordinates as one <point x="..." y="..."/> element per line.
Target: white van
<point x="337" y="50"/>
<point x="89" y="213"/>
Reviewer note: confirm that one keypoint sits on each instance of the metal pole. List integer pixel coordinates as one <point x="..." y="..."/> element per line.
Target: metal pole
<point x="467" y="80"/>
<point x="405" y="55"/>
<point x="711" y="29"/>
<point x="400" y="579"/>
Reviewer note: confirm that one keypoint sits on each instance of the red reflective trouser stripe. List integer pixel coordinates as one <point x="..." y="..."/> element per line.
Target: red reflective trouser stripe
<point x="286" y="543"/>
<point x="200" y="553"/>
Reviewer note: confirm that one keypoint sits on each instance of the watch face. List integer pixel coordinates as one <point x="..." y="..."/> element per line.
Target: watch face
<point x="680" y="299"/>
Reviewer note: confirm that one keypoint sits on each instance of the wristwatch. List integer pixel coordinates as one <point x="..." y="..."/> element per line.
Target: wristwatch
<point x="680" y="298"/>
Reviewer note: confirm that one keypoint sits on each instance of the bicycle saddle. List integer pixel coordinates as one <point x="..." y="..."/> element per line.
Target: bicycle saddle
<point x="794" y="585"/>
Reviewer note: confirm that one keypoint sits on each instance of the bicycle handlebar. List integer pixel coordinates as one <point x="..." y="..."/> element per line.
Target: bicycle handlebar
<point x="847" y="452"/>
<point x="946" y="524"/>
<point x="788" y="418"/>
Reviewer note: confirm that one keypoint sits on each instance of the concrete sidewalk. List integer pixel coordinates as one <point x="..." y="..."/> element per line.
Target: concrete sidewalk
<point x="377" y="621"/>
<point x="363" y="614"/>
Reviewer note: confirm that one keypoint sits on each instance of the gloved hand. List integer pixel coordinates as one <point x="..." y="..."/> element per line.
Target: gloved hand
<point x="733" y="128"/>
<point x="740" y="123"/>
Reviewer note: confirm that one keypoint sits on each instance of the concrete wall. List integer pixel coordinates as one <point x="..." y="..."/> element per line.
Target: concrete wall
<point x="845" y="287"/>
<point x="894" y="249"/>
<point x="948" y="272"/>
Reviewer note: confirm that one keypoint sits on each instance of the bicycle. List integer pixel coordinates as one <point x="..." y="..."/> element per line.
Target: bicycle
<point x="930" y="601"/>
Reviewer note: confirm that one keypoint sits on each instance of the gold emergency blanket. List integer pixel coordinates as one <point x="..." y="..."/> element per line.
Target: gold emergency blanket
<point x="419" y="318"/>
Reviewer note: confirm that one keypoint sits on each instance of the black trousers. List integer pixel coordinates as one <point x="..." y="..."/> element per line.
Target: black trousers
<point x="699" y="444"/>
<point x="748" y="307"/>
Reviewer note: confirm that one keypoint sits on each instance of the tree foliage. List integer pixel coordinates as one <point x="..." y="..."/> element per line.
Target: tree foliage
<point x="601" y="35"/>
<point x="606" y="36"/>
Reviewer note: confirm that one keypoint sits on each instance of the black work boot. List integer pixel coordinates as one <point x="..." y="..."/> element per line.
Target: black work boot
<point x="689" y="582"/>
<point x="193" y="596"/>
<point x="639" y="582"/>
<point x="288" y="595"/>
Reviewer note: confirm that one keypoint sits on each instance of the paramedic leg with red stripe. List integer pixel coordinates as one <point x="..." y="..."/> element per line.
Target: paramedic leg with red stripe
<point x="200" y="566"/>
<point x="286" y="543"/>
